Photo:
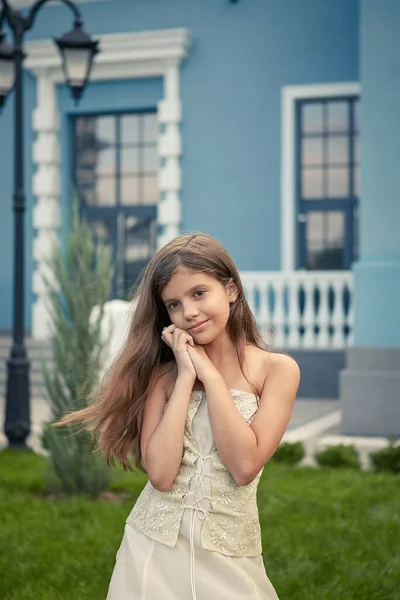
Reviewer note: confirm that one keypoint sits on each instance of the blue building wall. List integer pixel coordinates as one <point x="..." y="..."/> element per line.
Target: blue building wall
<point x="242" y="55"/>
<point x="377" y="274"/>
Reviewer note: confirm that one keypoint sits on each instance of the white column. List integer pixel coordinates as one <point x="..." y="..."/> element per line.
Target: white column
<point x="170" y="148"/>
<point x="46" y="188"/>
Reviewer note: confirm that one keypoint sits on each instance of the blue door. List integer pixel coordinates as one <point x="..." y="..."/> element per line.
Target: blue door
<point x="327" y="183"/>
<point x="116" y="171"/>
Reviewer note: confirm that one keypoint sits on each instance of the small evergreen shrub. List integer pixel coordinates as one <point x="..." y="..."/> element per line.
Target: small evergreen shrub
<point x="387" y="459"/>
<point x="78" y="278"/>
<point x="340" y="456"/>
<point x="289" y="453"/>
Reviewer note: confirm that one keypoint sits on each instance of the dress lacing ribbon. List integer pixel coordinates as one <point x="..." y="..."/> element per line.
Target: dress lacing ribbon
<point x="196" y="508"/>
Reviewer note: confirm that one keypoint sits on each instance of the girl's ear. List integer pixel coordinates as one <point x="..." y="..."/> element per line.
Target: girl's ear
<point x="232" y="291"/>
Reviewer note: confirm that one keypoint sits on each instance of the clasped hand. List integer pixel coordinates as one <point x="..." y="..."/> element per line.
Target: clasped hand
<point x="191" y="358"/>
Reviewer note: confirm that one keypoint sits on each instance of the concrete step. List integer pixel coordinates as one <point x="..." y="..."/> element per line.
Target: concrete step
<point x="37" y="391"/>
<point x="35" y="364"/>
<point x="35" y="377"/>
<point x="38" y="351"/>
<point x="6" y="341"/>
<point x="33" y="353"/>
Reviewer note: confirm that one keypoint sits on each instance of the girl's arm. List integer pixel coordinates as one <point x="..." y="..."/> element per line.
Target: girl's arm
<point x="164" y="424"/>
<point x="245" y="448"/>
<point x="163" y="429"/>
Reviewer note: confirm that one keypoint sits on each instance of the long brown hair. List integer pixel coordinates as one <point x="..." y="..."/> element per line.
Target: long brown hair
<point x="115" y="417"/>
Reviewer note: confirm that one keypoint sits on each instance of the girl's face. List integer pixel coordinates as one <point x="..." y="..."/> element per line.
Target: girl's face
<point x="198" y="303"/>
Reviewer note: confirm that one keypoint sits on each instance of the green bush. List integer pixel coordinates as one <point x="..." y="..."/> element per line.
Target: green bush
<point x="289" y="453"/>
<point x="387" y="459"/>
<point x="79" y="278"/>
<point x="340" y="456"/>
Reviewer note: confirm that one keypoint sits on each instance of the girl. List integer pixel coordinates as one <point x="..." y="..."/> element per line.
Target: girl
<point x="203" y="406"/>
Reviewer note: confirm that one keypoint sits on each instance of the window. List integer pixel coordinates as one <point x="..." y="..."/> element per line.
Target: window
<point x="116" y="177"/>
<point x="116" y="159"/>
<point x="327" y="182"/>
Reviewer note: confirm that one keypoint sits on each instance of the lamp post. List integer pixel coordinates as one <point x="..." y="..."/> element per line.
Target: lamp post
<point x="77" y="50"/>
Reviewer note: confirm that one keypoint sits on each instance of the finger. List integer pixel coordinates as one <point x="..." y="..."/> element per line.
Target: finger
<point x="184" y="337"/>
<point x="168" y="330"/>
<point x="167" y="337"/>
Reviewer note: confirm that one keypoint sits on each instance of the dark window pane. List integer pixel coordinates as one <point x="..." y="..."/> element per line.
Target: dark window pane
<point x="334" y="229"/>
<point x="130" y="129"/>
<point x="312" y="183"/>
<point x="338" y="150"/>
<point x="150" y="128"/>
<point x="101" y="230"/>
<point x="130" y="190"/>
<point x="140" y="245"/>
<point x="312" y="151"/>
<point x="130" y="160"/>
<point x="149" y="189"/>
<point x="85" y="177"/>
<point x="338" y="116"/>
<point x="325" y="240"/>
<point x="86" y="158"/>
<point x="315" y="229"/>
<point x="85" y="182"/>
<point x="105" y="191"/>
<point x="85" y="142"/>
<point x="312" y="118"/>
<point x="150" y="160"/>
<point x="105" y="163"/>
<point x="86" y="195"/>
<point x="105" y="130"/>
<point x="338" y="183"/>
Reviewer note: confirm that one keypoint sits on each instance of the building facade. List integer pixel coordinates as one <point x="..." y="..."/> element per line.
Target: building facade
<point x="240" y="119"/>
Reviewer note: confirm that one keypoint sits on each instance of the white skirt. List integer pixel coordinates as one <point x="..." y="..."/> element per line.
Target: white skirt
<point x="148" y="570"/>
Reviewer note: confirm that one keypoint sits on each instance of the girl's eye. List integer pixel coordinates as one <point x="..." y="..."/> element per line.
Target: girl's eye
<point x="199" y="293"/>
<point x="172" y="305"/>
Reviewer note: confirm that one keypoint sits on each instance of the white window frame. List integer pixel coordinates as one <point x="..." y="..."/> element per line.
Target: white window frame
<point x="290" y="96"/>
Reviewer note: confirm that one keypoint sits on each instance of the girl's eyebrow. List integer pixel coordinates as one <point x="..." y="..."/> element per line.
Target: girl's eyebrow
<point x="189" y="291"/>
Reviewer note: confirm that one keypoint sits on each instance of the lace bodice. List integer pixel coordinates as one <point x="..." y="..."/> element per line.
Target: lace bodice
<point x="205" y="487"/>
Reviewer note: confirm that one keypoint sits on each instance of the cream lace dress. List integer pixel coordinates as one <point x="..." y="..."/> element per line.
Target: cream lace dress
<point x="148" y="570"/>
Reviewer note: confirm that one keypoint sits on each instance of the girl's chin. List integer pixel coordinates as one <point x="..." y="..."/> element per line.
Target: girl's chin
<point x="202" y="339"/>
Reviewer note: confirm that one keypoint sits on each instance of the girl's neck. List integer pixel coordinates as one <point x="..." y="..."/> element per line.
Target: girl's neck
<point x="222" y="352"/>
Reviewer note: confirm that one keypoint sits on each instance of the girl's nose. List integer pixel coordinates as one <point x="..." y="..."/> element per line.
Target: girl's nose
<point x="190" y="311"/>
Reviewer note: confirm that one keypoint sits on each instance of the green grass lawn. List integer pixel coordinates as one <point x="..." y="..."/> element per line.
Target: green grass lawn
<point x="327" y="535"/>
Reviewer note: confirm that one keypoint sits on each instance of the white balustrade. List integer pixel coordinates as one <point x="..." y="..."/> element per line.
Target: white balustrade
<point x="302" y="309"/>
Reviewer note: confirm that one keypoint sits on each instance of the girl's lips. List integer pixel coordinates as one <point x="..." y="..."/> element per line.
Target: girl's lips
<point x="198" y="326"/>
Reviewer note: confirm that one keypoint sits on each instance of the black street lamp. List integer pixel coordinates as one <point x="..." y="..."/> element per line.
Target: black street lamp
<point x="77" y="50"/>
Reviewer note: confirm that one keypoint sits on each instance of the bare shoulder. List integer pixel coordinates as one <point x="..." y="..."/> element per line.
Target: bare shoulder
<point x="283" y="375"/>
<point x="263" y="364"/>
<point x="285" y="364"/>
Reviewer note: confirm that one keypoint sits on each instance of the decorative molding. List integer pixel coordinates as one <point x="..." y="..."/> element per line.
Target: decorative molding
<point x="122" y="56"/>
<point x="290" y="95"/>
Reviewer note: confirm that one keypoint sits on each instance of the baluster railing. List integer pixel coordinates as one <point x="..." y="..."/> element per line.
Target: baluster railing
<point x="303" y="309"/>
